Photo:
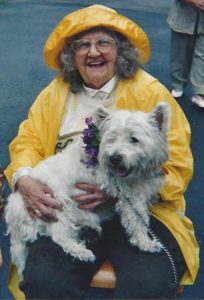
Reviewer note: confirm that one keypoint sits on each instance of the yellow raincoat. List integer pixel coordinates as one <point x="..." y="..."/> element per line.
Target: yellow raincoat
<point x="38" y="134"/>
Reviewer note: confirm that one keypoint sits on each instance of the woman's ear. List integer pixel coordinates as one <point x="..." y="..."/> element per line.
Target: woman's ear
<point x="101" y="114"/>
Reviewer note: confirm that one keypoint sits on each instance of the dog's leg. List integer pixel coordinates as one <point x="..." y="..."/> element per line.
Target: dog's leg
<point x="77" y="250"/>
<point x="20" y="235"/>
<point x="68" y="241"/>
<point x="21" y="228"/>
<point x="136" y="228"/>
<point x="18" y="251"/>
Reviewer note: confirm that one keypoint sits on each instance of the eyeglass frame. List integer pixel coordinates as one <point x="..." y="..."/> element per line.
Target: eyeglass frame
<point x="102" y="50"/>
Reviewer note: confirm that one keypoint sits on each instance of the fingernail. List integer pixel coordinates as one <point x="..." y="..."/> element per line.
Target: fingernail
<point x="48" y="195"/>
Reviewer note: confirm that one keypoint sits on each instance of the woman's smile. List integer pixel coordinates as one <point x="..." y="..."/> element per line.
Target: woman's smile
<point x="96" y="64"/>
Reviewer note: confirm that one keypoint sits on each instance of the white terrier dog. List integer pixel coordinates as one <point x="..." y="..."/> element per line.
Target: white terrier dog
<point x="133" y="147"/>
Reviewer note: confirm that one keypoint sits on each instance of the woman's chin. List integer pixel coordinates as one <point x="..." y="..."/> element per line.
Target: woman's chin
<point x="96" y="82"/>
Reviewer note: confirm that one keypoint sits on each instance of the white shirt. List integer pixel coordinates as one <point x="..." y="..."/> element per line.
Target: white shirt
<point x="83" y="104"/>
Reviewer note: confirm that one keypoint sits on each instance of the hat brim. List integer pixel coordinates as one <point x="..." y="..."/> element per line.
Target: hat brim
<point x="90" y="17"/>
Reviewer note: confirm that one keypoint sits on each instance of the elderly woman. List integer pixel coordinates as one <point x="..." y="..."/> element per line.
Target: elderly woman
<point x="99" y="53"/>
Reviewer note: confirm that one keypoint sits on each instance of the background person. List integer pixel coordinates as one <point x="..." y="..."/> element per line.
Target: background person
<point x="98" y="53"/>
<point x="186" y="19"/>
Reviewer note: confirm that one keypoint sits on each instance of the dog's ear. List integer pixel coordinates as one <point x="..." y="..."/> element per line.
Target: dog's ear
<point x="161" y="116"/>
<point x="101" y="114"/>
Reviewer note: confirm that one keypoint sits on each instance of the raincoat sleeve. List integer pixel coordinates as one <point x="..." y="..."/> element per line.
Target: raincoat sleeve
<point x="37" y="135"/>
<point x="179" y="168"/>
<point x="26" y="150"/>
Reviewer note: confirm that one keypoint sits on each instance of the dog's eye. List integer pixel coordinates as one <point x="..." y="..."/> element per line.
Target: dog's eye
<point x="134" y="140"/>
<point x="110" y="140"/>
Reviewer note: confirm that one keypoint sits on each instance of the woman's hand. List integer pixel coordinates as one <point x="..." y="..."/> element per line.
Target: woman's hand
<point x="197" y="4"/>
<point x="93" y="198"/>
<point x="38" y="199"/>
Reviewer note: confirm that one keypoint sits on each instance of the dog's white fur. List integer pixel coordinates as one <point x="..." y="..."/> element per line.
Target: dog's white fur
<point x="132" y="150"/>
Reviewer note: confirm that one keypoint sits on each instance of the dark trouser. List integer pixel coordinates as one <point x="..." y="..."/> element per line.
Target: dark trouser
<point x="187" y="61"/>
<point x="51" y="274"/>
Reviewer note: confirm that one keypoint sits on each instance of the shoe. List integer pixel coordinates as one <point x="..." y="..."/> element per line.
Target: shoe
<point x="176" y="93"/>
<point x="198" y="100"/>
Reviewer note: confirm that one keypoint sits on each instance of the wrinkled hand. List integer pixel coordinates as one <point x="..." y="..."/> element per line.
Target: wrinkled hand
<point x="38" y="199"/>
<point x="197" y="4"/>
<point x="93" y="198"/>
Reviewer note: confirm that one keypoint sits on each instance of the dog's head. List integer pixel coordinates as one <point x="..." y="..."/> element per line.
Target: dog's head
<point x="133" y="143"/>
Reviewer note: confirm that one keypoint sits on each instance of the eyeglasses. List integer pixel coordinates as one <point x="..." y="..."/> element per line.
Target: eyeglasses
<point x="103" y="45"/>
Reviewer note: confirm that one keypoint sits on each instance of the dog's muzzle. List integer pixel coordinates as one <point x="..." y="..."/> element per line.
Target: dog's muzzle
<point x="116" y="166"/>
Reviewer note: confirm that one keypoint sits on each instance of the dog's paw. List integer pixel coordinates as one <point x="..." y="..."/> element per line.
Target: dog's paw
<point x="80" y="252"/>
<point x="154" y="246"/>
<point x="147" y="245"/>
<point x="87" y="256"/>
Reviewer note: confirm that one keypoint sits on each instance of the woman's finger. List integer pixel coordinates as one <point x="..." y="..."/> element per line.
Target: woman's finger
<point x="87" y="187"/>
<point x="88" y="198"/>
<point x="51" y="202"/>
<point x="47" y="213"/>
<point x="44" y="213"/>
<point x="90" y="205"/>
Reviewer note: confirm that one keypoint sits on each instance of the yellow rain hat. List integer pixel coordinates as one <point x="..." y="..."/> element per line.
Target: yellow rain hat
<point x="90" y="17"/>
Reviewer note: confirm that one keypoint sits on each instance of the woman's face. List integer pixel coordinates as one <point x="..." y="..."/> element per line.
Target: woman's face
<point x="95" y="58"/>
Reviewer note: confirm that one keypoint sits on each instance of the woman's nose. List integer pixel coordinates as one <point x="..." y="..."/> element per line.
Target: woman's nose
<point x="93" y="50"/>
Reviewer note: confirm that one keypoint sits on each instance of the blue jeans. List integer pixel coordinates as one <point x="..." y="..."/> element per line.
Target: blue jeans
<point x="51" y="274"/>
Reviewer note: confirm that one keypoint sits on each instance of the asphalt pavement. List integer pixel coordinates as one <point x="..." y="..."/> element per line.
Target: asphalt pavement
<point x="158" y="6"/>
<point x="24" y="27"/>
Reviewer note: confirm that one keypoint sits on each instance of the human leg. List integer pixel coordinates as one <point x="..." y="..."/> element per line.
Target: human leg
<point x="181" y="53"/>
<point x="197" y="72"/>
<point x="144" y="275"/>
<point x="51" y="274"/>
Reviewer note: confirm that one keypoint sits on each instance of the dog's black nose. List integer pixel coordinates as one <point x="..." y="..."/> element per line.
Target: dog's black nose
<point x="115" y="159"/>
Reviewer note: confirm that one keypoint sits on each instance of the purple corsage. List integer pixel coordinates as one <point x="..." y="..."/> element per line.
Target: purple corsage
<point x="91" y="139"/>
